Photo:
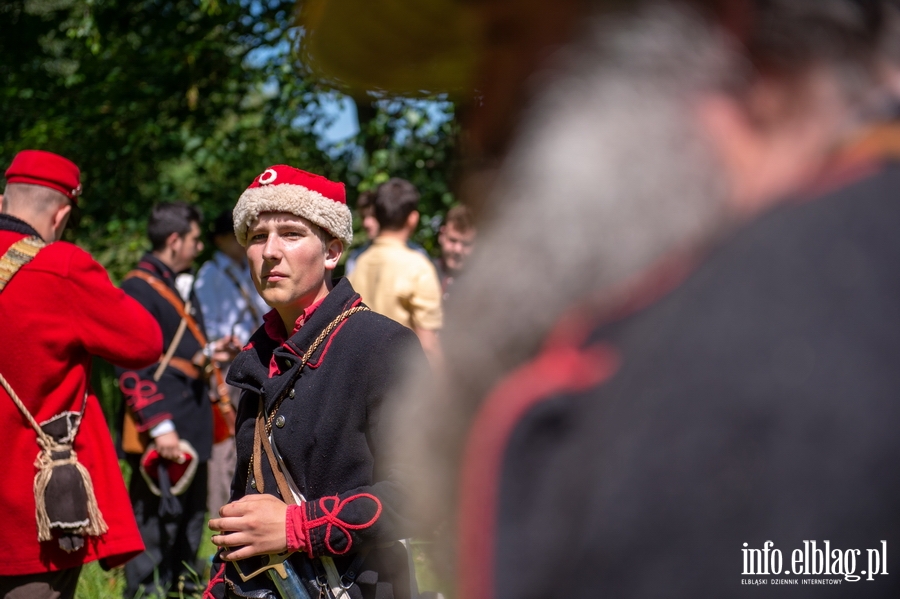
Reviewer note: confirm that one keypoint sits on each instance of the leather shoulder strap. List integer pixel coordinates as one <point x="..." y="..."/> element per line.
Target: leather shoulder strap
<point x="170" y="296"/>
<point x="18" y="255"/>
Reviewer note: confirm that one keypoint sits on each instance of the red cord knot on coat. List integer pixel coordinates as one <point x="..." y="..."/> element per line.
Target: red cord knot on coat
<point x="141" y="393"/>
<point x="331" y="509"/>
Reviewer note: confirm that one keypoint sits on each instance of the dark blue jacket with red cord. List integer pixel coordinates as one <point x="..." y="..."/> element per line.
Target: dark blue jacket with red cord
<point x="758" y="400"/>
<point x="176" y="396"/>
<point x="333" y="435"/>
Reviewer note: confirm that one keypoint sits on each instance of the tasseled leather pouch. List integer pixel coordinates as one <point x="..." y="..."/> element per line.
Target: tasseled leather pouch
<point x="65" y="504"/>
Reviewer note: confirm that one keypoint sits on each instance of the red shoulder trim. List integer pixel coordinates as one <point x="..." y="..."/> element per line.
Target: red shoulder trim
<point x="331" y="337"/>
<point x="558" y="369"/>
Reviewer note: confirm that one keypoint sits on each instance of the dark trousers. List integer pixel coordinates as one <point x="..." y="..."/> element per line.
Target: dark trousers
<point x="46" y="585"/>
<point x="171" y="541"/>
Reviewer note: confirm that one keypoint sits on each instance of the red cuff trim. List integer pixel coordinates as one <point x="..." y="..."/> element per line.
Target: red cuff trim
<point x="146" y="425"/>
<point x="295" y="529"/>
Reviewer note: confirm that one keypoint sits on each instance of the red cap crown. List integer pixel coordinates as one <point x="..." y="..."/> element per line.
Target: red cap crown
<point x="282" y="174"/>
<point x="37" y="167"/>
<point x="283" y="188"/>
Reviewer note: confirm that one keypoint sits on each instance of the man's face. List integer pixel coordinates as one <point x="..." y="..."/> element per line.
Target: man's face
<point x="455" y="246"/>
<point x="186" y="248"/>
<point x="370" y="223"/>
<point x="288" y="264"/>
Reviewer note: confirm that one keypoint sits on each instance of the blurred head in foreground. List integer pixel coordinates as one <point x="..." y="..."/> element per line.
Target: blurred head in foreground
<point x="665" y="128"/>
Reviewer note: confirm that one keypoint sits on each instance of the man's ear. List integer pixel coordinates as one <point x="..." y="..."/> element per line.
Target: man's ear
<point x="412" y="221"/>
<point x="60" y="219"/>
<point x="333" y="252"/>
<point x="735" y="140"/>
<point x="172" y="240"/>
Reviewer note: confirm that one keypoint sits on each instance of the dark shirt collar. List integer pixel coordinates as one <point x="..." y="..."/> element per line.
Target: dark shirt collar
<point x="274" y="326"/>
<point x="9" y="222"/>
<point x="250" y="369"/>
<point x="157" y="267"/>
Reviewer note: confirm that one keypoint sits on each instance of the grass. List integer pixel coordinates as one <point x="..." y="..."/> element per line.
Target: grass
<point x="426" y="575"/>
<point x="95" y="583"/>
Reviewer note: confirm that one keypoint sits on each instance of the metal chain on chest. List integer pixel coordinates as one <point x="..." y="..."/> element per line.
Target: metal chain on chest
<point x="303" y="360"/>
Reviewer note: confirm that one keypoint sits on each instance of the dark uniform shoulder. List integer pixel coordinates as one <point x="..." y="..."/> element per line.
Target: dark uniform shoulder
<point x="379" y="328"/>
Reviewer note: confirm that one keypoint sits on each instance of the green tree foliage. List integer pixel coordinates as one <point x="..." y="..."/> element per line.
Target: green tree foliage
<point x="412" y="139"/>
<point x="188" y="100"/>
<point x="155" y="100"/>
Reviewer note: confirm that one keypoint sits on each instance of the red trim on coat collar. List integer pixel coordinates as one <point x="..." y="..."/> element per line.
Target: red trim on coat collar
<point x="624" y="299"/>
<point x="331" y="337"/>
<point x="860" y="158"/>
<point x="155" y="266"/>
<point x="558" y="370"/>
<point x="563" y="365"/>
<point x="274" y="326"/>
<point x="276" y="331"/>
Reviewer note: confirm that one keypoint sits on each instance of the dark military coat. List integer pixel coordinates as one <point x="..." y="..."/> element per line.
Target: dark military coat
<point x="333" y="434"/>
<point x="176" y="396"/>
<point x="757" y="401"/>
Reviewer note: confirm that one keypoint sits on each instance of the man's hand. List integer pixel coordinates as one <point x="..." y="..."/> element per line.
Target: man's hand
<point x="168" y="447"/>
<point x="252" y="525"/>
<point x="225" y="349"/>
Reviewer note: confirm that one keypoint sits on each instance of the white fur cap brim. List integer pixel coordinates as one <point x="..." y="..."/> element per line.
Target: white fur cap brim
<point x="332" y="216"/>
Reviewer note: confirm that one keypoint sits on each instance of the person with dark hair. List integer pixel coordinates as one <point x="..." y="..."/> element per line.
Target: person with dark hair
<point x="59" y="309"/>
<point x="456" y="239"/>
<point x="686" y="385"/>
<point x="314" y="485"/>
<point x="168" y="419"/>
<point x="173" y="217"/>
<point x="393" y="279"/>
<point x="365" y="208"/>
<point x="231" y="307"/>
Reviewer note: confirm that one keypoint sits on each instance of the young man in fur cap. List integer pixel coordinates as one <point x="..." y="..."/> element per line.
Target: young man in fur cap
<point x="312" y="478"/>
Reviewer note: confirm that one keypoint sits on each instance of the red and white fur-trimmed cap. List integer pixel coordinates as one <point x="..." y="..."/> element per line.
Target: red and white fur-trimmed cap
<point x="283" y="188"/>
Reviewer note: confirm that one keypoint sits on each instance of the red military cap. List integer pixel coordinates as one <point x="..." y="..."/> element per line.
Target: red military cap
<point x="283" y="188"/>
<point x="37" y="167"/>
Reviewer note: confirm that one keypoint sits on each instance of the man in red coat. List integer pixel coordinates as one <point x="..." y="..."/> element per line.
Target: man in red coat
<point x="57" y="311"/>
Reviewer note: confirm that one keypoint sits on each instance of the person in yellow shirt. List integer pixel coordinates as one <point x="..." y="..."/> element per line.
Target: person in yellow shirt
<point x="393" y="279"/>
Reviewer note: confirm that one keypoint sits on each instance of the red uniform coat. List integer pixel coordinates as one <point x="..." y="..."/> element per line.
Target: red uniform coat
<point x="56" y="313"/>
